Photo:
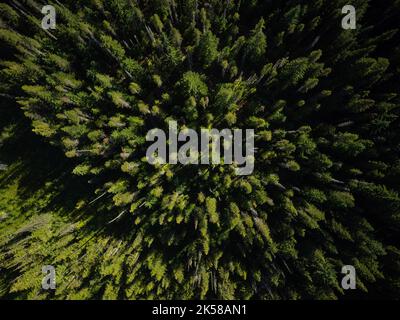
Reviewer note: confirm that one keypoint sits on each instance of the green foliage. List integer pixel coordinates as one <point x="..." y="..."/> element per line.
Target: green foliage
<point x="77" y="192"/>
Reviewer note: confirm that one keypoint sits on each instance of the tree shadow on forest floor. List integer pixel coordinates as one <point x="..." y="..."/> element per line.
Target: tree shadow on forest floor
<point x="40" y="167"/>
<point x="35" y="163"/>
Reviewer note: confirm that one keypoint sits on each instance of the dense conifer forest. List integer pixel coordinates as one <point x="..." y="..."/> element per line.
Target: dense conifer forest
<point x="77" y="193"/>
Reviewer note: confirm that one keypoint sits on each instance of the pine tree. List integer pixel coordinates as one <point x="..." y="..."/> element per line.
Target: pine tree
<point x="77" y="192"/>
